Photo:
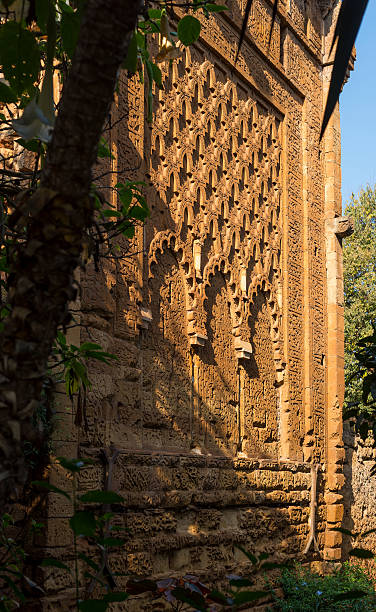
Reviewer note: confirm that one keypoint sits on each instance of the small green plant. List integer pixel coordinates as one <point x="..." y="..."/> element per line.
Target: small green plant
<point x="348" y="588"/>
<point x="189" y="593"/>
<point x="121" y="220"/>
<point x="90" y="524"/>
<point x="73" y="358"/>
<point x="12" y="561"/>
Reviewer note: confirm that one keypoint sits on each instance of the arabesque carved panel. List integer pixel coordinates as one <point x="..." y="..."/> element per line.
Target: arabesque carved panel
<point x="216" y="205"/>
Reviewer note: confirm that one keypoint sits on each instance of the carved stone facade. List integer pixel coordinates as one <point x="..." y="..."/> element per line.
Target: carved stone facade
<point x="228" y="320"/>
<point x="359" y="491"/>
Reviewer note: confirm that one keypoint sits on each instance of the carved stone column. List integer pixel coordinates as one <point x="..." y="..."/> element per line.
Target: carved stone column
<point x="337" y="227"/>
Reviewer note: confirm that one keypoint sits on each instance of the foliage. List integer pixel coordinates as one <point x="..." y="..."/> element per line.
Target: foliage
<point x="12" y="558"/>
<point x="37" y="44"/>
<point x="95" y="537"/>
<point x="31" y="50"/>
<point x="190" y="591"/>
<point x="348" y="588"/>
<point x="38" y="41"/>
<point x="365" y="410"/>
<point x="132" y="210"/>
<point x="90" y="523"/>
<point x="359" y="252"/>
<point x="43" y="422"/>
<point x="73" y="360"/>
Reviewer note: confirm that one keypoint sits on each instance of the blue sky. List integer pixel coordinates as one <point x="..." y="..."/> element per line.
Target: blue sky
<point x="358" y="112"/>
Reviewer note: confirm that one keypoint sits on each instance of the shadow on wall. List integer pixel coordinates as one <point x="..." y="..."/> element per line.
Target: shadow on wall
<point x="197" y="431"/>
<point x="196" y="427"/>
<point x="359" y="490"/>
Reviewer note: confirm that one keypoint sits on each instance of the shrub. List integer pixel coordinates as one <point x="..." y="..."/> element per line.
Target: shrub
<point x="348" y="588"/>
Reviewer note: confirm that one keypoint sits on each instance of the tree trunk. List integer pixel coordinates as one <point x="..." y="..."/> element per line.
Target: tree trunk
<point x="56" y="216"/>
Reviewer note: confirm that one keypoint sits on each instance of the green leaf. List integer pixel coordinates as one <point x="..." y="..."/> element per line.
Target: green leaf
<point x="241" y="582"/>
<point x="70" y="27"/>
<point x="354" y="594"/>
<point x="128" y="232"/>
<point x="52" y="562"/>
<point x="33" y="584"/>
<point x="74" y="465"/>
<point x="108" y="214"/>
<point x="65" y="7"/>
<point x="72" y="383"/>
<point x="81" y="372"/>
<point x="126" y="197"/>
<point x="104" y="150"/>
<point x="42" y="8"/>
<point x="189" y="29"/>
<point x="139" y="213"/>
<point x="101" y="497"/>
<point x="93" y="605"/>
<point x="271" y="565"/>
<point x="130" y="62"/>
<point x="157" y="75"/>
<point x="83" y="523"/>
<point x="7" y="94"/>
<point x="250" y="556"/>
<point x="115" y="528"/>
<point x="89" y="561"/>
<point x="216" y="8"/>
<point x="219" y="597"/>
<point x="112" y="542"/>
<point x="247" y="596"/>
<point x="141" y="40"/>
<point x="90" y="346"/>
<point x="61" y="338"/>
<point x="101" y="356"/>
<point x="13" y="586"/>
<point x="149" y="69"/>
<point x="154" y="13"/>
<point x="116" y="596"/>
<point x="361" y="553"/>
<point x="196" y="600"/>
<point x="29" y="145"/>
<point x="50" y="487"/>
<point x="19" y="56"/>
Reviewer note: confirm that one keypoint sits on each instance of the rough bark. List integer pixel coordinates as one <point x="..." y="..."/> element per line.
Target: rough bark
<point x="41" y="280"/>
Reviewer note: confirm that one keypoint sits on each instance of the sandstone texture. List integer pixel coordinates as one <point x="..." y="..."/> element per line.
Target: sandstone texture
<point x="227" y="314"/>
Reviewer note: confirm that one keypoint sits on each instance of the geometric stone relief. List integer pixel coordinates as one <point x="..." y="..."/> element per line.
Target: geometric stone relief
<point x="214" y="345"/>
<point x="166" y="392"/>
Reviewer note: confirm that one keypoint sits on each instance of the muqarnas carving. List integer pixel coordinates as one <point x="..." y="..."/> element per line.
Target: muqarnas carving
<point x="213" y="355"/>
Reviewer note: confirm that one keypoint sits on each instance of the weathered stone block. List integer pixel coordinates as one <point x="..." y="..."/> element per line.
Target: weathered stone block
<point x="334" y="513"/>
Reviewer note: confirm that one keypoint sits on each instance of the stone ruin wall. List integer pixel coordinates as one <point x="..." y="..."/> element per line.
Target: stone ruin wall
<point x="227" y="319"/>
<point x="360" y="491"/>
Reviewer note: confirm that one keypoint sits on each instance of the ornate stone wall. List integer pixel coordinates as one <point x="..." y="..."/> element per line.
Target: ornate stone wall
<point x="359" y="490"/>
<point x="221" y="399"/>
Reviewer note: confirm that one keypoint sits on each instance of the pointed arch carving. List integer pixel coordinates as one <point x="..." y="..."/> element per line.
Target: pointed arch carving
<point x="222" y="150"/>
